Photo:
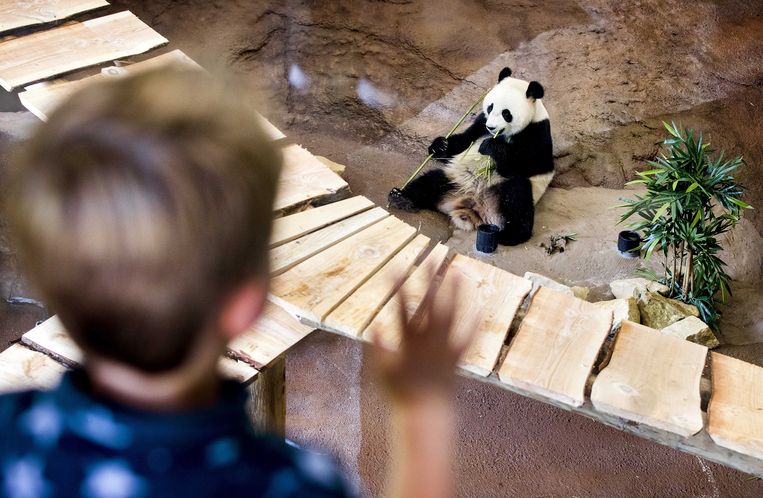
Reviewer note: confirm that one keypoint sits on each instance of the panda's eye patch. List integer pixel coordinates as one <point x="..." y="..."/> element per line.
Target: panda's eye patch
<point x="507" y="115"/>
<point x="490" y="108"/>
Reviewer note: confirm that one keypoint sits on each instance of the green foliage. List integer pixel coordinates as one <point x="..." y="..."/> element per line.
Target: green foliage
<point x="691" y="199"/>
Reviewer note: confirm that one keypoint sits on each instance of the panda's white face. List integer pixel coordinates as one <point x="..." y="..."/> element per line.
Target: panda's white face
<point x="507" y="107"/>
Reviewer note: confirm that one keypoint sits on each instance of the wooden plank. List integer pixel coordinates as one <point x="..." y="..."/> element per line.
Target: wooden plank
<point x="269" y="128"/>
<point x="43" y="98"/>
<point x="556" y="346"/>
<point x="289" y="255"/>
<point x="51" y="338"/>
<point x="305" y="179"/>
<point x="354" y="314"/>
<point x="60" y="50"/>
<point x="22" y="369"/>
<point x="490" y="297"/>
<point x="292" y="227"/>
<point x="315" y="287"/>
<point x="233" y="369"/>
<point x="18" y="14"/>
<point x="275" y="332"/>
<point x="652" y="379"/>
<point x="415" y="289"/>
<point x="267" y="400"/>
<point x="735" y="414"/>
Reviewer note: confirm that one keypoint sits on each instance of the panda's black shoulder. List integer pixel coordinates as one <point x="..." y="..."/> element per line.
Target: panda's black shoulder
<point x="535" y="141"/>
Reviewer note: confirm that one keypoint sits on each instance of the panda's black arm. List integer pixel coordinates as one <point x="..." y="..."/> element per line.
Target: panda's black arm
<point x="529" y="152"/>
<point x="459" y="142"/>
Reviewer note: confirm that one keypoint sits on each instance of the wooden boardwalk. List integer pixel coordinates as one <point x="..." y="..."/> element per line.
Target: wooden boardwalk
<point x="339" y="264"/>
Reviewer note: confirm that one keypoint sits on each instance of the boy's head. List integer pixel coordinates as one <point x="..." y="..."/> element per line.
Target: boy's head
<point x="140" y="207"/>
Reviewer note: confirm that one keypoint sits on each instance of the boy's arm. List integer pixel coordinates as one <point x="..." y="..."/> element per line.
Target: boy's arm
<point x="419" y="378"/>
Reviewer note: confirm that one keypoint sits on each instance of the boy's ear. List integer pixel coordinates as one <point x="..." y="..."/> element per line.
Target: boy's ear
<point x="242" y="308"/>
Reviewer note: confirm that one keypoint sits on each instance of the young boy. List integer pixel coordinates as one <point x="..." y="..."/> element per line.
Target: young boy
<point x="142" y="211"/>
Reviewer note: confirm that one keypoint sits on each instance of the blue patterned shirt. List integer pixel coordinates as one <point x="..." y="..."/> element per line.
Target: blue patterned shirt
<point x="69" y="442"/>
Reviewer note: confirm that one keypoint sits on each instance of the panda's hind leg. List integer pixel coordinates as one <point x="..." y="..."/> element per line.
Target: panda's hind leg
<point x="515" y="202"/>
<point x="425" y="192"/>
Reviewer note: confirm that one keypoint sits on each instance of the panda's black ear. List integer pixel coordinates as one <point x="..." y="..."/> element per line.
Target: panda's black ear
<point x="505" y="73"/>
<point x="534" y="90"/>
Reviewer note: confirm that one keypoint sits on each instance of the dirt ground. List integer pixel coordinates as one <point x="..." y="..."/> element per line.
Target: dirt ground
<point x="369" y="83"/>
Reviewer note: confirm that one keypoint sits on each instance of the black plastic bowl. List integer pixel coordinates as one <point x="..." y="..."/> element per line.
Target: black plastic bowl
<point x="487" y="238"/>
<point x="628" y="243"/>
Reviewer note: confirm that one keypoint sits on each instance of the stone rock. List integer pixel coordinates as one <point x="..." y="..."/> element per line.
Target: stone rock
<point x="694" y="330"/>
<point x="635" y="287"/>
<point x="658" y="311"/>
<point x="543" y="281"/>
<point x="622" y="309"/>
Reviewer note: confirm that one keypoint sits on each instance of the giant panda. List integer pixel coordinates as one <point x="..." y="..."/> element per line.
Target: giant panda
<point x="513" y="132"/>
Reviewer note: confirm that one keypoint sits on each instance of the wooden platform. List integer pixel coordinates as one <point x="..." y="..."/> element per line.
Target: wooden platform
<point x="556" y="346"/>
<point x="736" y="407"/>
<point x="16" y="14"/>
<point x="60" y="50"/>
<point x="336" y="259"/>
<point x="652" y="379"/>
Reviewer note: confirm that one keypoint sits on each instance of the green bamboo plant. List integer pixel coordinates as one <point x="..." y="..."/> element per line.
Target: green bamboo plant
<point x="691" y="199"/>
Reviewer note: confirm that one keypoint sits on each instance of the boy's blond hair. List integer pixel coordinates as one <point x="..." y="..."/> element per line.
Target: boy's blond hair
<point x="139" y="206"/>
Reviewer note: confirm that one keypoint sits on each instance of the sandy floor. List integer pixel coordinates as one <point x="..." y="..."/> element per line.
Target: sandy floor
<point x="373" y="82"/>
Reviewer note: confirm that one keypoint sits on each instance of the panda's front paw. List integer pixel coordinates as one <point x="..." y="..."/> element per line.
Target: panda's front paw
<point x="397" y="200"/>
<point x="487" y="147"/>
<point x="439" y="147"/>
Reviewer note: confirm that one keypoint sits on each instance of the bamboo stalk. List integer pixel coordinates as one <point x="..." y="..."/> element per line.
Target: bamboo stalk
<point x="452" y="130"/>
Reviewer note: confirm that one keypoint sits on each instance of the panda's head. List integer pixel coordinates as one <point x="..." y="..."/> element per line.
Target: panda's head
<point x="512" y="104"/>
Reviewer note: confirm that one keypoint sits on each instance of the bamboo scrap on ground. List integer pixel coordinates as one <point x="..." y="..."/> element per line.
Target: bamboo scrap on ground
<point x="556" y="346"/>
<point x="315" y="287"/>
<point x="415" y="288"/>
<point x="287" y="256"/>
<point x="43" y="98"/>
<point x="22" y="369"/>
<point x="354" y="314"/>
<point x="489" y="299"/>
<point x="305" y="179"/>
<point x="18" y="14"/>
<point x="66" y="48"/>
<point x="652" y="379"/>
<point x="50" y="338"/>
<point x="735" y="415"/>
<point x="292" y="227"/>
<point x="274" y="333"/>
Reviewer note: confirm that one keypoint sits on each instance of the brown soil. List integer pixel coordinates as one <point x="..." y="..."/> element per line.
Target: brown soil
<point x="612" y="71"/>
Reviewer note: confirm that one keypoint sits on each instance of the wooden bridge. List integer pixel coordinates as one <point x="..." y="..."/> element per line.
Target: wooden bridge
<point x="333" y="256"/>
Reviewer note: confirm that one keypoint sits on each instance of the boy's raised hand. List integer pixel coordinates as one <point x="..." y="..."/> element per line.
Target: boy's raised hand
<point x="425" y="362"/>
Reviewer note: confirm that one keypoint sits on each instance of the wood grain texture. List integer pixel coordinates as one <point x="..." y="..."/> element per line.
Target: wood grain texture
<point x="305" y="179"/>
<point x="415" y="288"/>
<point x="22" y="369"/>
<point x="274" y="333"/>
<point x="735" y="414"/>
<point x="489" y="300"/>
<point x="315" y="287"/>
<point x="556" y="346"/>
<point x="357" y="311"/>
<point x="43" y="98"/>
<point x="267" y="400"/>
<point x="51" y="338"/>
<point x="287" y="256"/>
<point x="66" y="48"/>
<point x="652" y="379"/>
<point x="20" y="14"/>
<point x="291" y="227"/>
